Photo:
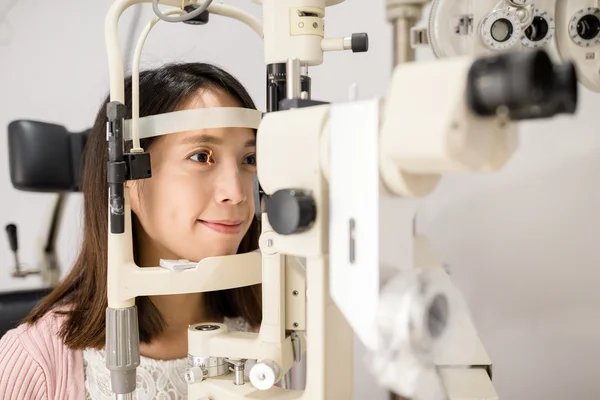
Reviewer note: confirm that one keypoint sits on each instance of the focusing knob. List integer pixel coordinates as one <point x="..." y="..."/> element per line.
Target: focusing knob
<point x="291" y="211"/>
<point x="264" y="374"/>
<point x="194" y="374"/>
<point x="360" y="42"/>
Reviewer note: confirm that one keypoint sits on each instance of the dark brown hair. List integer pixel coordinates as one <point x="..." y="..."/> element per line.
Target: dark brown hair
<point x="84" y="291"/>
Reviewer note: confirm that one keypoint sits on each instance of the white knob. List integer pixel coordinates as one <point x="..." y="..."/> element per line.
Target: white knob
<point x="264" y="374"/>
<point x="193" y="375"/>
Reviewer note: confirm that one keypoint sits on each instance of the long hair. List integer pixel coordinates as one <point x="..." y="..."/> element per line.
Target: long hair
<point x="84" y="290"/>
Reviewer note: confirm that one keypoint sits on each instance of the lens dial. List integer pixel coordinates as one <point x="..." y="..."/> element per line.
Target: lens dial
<point x="451" y="28"/>
<point x="584" y="27"/>
<point x="501" y="30"/>
<point x="541" y="30"/>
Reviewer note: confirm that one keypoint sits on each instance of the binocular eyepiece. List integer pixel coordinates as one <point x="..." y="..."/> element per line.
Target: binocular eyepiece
<point x="525" y="85"/>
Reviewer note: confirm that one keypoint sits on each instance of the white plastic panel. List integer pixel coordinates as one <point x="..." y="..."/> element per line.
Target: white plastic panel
<point x="354" y="213"/>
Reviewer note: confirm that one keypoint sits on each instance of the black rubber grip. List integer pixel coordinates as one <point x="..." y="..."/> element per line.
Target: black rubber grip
<point x="11" y="230"/>
<point x="360" y="42"/>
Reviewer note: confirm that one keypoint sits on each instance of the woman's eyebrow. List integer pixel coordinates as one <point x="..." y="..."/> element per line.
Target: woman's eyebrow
<point x="208" y="139"/>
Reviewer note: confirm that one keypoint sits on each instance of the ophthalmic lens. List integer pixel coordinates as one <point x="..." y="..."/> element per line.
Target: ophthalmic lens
<point x="510" y="81"/>
<point x="501" y="30"/>
<point x="565" y="91"/>
<point x="537" y="30"/>
<point x="588" y="27"/>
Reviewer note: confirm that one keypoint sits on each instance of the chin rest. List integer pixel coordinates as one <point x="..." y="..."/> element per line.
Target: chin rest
<point x="45" y="157"/>
<point x="14" y="306"/>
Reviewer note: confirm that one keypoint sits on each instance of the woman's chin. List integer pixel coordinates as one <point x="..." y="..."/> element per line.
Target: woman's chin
<point x="214" y="252"/>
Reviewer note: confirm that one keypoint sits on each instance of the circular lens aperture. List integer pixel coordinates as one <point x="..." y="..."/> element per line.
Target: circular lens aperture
<point x="537" y="30"/>
<point x="588" y="27"/>
<point x="501" y="30"/>
<point x="584" y="27"/>
<point x="541" y="30"/>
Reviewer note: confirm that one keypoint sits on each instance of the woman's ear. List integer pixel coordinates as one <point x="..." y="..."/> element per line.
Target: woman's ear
<point x="134" y="195"/>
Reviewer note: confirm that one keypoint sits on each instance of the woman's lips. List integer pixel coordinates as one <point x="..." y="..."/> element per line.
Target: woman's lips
<point x="228" y="227"/>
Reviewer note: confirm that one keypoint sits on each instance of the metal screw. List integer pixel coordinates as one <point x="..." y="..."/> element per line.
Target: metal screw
<point x="269" y="242"/>
<point x="295" y="293"/>
<point x="207" y="327"/>
<point x="296" y="324"/>
<point x="315" y="25"/>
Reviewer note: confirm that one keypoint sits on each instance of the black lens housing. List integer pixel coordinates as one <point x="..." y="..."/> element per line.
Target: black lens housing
<point x="525" y="85"/>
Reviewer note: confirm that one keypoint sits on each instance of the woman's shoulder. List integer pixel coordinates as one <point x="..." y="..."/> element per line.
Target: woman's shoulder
<point x="33" y="357"/>
<point x="44" y="333"/>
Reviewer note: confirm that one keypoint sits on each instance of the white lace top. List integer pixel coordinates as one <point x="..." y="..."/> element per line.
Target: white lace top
<point x="156" y="379"/>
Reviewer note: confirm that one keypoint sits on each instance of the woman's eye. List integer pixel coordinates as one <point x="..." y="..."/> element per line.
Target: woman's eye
<point x="251" y="159"/>
<point x="204" y="157"/>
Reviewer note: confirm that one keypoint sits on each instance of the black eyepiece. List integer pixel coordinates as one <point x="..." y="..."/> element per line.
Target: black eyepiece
<point x="526" y="85"/>
<point x="565" y="79"/>
<point x="588" y="27"/>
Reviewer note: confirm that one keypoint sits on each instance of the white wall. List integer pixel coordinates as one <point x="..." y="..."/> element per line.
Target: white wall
<point x="521" y="243"/>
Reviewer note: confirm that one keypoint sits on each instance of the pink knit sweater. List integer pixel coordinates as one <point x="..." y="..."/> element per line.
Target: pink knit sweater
<point x="36" y="364"/>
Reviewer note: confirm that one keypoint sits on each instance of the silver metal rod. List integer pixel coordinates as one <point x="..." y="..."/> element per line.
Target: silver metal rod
<point x="127" y="396"/>
<point x="403" y="52"/>
<point x="17" y="264"/>
<point x="304" y="69"/>
<point x="239" y="374"/>
<point x="293" y="78"/>
<point x="286" y="382"/>
<point x="348" y="43"/>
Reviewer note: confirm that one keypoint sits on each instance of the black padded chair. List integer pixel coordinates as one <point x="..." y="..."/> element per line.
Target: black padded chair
<point x="47" y="158"/>
<point x="16" y="305"/>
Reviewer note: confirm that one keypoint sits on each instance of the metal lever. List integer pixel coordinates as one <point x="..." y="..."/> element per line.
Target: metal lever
<point x="11" y="231"/>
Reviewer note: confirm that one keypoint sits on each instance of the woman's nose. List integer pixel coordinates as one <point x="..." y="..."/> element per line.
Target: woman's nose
<point x="230" y="187"/>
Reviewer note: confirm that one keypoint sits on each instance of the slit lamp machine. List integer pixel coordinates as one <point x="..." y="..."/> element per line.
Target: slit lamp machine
<point x="324" y="280"/>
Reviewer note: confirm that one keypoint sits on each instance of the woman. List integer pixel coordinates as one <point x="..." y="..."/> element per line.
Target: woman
<point x="198" y="203"/>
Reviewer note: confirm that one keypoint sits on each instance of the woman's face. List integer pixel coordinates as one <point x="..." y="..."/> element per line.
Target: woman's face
<point x="199" y="201"/>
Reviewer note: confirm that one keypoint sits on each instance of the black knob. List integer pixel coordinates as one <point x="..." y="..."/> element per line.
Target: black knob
<point x="201" y="19"/>
<point x="11" y="230"/>
<point x="291" y="211"/>
<point x="360" y="42"/>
